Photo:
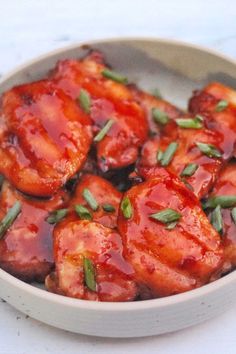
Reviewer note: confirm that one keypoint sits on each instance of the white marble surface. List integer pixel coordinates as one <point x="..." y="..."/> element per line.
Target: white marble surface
<point x="29" y="28"/>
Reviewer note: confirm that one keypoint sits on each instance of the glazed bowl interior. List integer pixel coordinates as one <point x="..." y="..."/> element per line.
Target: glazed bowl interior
<point x="176" y="69"/>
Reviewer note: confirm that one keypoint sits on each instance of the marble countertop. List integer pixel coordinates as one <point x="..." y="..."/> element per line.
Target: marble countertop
<point x="29" y="28"/>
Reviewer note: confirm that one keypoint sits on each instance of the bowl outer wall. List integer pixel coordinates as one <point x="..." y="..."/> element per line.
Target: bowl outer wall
<point x="176" y="68"/>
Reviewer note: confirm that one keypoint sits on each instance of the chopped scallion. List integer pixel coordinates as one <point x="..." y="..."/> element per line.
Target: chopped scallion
<point x="108" y="208"/>
<point x="168" y="154"/>
<point x="187" y="184"/>
<point x="159" y="155"/>
<point x="83" y="212"/>
<point x="103" y="132"/>
<point x="171" y="225"/>
<point x="156" y="93"/>
<point x="189" y="170"/>
<point x="9" y="218"/>
<point x="85" y="101"/>
<point x="208" y="150"/>
<point x="159" y="116"/>
<point x="56" y="216"/>
<point x="89" y="274"/>
<point x="221" y="105"/>
<point x="112" y="75"/>
<point x="189" y="123"/>
<point x="166" y="216"/>
<point x="88" y="196"/>
<point x="126" y="208"/>
<point x="225" y="201"/>
<point x="216" y="219"/>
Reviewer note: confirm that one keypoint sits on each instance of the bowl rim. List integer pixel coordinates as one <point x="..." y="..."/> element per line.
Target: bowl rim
<point x="190" y="295"/>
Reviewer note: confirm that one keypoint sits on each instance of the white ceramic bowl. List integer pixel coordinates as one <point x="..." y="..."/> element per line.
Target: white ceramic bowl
<point x="176" y="69"/>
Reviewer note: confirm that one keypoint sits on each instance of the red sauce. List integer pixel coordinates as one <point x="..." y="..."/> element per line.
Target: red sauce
<point x="187" y="152"/>
<point x="104" y="193"/>
<point x="149" y="245"/>
<point x="205" y="103"/>
<point x="226" y="185"/>
<point x="110" y="100"/>
<point x="45" y="137"/>
<point x="74" y="240"/>
<point x="26" y="248"/>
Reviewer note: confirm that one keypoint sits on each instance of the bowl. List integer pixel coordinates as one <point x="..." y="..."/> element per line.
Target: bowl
<point x="176" y="69"/>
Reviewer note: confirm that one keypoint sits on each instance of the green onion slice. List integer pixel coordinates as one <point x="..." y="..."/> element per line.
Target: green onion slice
<point x="126" y="208"/>
<point x="190" y="123"/>
<point x="169" y="154"/>
<point x="159" y="155"/>
<point x="159" y="116"/>
<point x="208" y="150"/>
<point x="187" y="184"/>
<point x="89" y="274"/>
<point x="56" y="216"/>
<point x="84" y="101"/>
<point x="112" y="75"/>
<point x="233" y="214"/>
<point x="189" y="170"/>
<point x="166" y="216"/>
<point x="171" y="225"/>
<point x="156" y="93"/>
<point x="9" y="218"/>
<point x="103" y="132"/>
<point x="108" y="208"/>
<point x="216" y="219"/>
<point x="88" y="196"/>
<point x="225" y="201"/>
<point x="221" y="105"/>
<point x="83" y="212"/>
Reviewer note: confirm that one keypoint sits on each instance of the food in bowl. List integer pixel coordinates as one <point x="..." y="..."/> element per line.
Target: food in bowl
<point x="111" y="193"/>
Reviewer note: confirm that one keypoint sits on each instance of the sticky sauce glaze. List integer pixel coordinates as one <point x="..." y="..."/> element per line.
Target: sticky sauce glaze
<point x="26" y="248"/>
<point x="104" y="193"/>
<point x="187" y="152"/>
<point x="110" y="100"/>
<point x="226" y="185"/>
<point x="44" y="137"/>
<point x="75" y="240"/>
<point x="205" y="103"/>
<point x="169" y="261"/>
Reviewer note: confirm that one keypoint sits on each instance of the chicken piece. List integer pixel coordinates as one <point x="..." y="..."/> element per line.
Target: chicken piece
<point x="219" y="116"/>
<point x="187" y="152"/>
<point x="226" y="186"/>
<point x="77" y="243"/>
<point x="44" y="137"/>
<point x="104" y="194"/>
<point x="168" y="258"/>
<point x="110" y="100"/>
<point x="71" y="74"/>
<point x="149" y="102"/>
<point x="26" y="248"/>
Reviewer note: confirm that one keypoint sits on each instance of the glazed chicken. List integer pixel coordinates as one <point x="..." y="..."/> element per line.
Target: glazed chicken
<point x="168" y="239"/>
<point x="26" y="248"/>
<point x="187" y="152"/>
<point x="226" y="187"/>
<point x="217" y="104"/>
<point x="186" y="131"/>
<point x="44" y="137"/>
<point x="110" y="100"/>
<point x="90" y="263"/>
<point x="112" y="194"/>
<point x="163" y="107"/>
<point x="107" y="199"/>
